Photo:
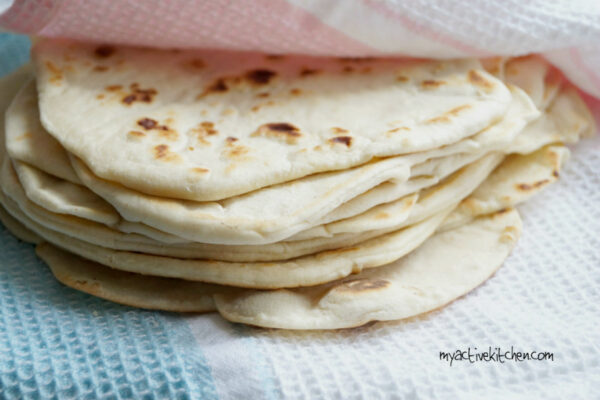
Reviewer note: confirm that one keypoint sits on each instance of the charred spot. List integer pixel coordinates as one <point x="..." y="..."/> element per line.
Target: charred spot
<point x="141" y="95"/>
<point x="339" y="131"/>
<point x="218" y="86"/>
<point x="347" y="140"/>
<point x="279" y="130"/>
<point x="502" y="210"/>
<point x="209" y="128"/>
<point x="295" y="92"/>
<point x="104" y="51"/>
<point x="457" y="110"/>
<point x="555" y="173"/>
<point x="478" y="80"/>
<point x="147" y="123"/>
<point x="161" y="150"/>
<point x="113" y="88"/>
<point x="263" y="95"/>
<point x="260" y="76"/>
<point x="100" y="68"/>
<point x="431" y="84"/>
<point x="308" y="72"/>
<point x="398" y="129"/>
<point x="348" y="69"/>
<point x="284" y="127"/>
<point x="231" y="139"/>
<point x="527" y="186"/>
<point x="275" y="57"/>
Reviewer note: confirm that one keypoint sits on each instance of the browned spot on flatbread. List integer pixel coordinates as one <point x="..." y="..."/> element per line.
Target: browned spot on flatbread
<point x="398" y="129"/>
<point x="480" y="81"/>
<point x="339" y="131"/>
<point x="402" y="78"/>
<point x="104" y="51"/>
<point x="308" y="71"/>
<point x="363" y="285"/>
<point x="218" y="86"/>
<point x="527" y="187"/>
<point x="100" y="68"/>
<point x="263" y="95"/>
<point x="348" y="69"/>
<point x="200" y="170"/>
<point x="346" y="140"/>
<point x="275" y="57"/>
<point x="431" y="84"/>
<point x="555" y="174"/>
<point x="100" y="96"/>
<point x="56" y="73"/>
<point x="139" y="95"/>
<point x="366" y="70"/>
<point x="450" y="113"/>
<point x="280" y="131"/>
<point x="147" y="123"/>
<point x="382" y="215"/>
<point x="162" y="152"/>
<point x="137" y="134"/>
<point x="231" y="139"/>
<point x="295" y="92"/>
<point x="113" y="88"/>
<point x="260" y="76"/>
<point x="203" y="130"/>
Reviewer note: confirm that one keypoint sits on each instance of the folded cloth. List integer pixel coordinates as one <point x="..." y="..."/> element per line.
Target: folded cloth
<point x="58" y="343"/>
<point x="567" y="32"/>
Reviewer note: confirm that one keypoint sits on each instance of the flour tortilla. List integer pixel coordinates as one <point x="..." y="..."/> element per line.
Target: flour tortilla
<point x="27" y="141"/>
<point x="127" y="288"/>
<point x="445" y="267"/>
<point x="9" y="86"/>
<point x="566" y="120"/>
<point x="258" y="217"/>
<point x="386" y="219"/>
<point x="92" y="97"/>
<point x="64" y="197"/>
<point x="18" y="229"/>
<point x="302" y="271"/>
<point x="516" y="180"/>
<point x="538" y="78"/>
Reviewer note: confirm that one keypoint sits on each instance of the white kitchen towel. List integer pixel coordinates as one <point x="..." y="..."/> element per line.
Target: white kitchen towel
<point x="567" y="32"/>
<point x="58" y="343"/>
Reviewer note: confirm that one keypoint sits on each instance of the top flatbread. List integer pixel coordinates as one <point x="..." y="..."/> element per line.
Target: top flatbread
<point x="207" y="125"/>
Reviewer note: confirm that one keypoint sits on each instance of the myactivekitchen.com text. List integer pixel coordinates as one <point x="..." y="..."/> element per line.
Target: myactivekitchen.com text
<point x="496" y="354"/>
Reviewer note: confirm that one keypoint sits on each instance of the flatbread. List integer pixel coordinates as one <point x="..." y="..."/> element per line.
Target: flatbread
<point x="303" y="271"/>
<point x="445" y="267"/>
<point x="276" y="213"/>
<point x="18" y="229"/>
<point x="387" y="218"/>
<point x="150" y="120"/>
<point x="126" y="288"/>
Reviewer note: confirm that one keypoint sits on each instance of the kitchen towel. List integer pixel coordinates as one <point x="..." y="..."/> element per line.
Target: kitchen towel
<point x="567" y="32"/>
<point x="59" y="343"/>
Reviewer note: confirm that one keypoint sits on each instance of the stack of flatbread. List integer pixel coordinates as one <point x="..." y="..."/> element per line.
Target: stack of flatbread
<point x="281" y="191"/>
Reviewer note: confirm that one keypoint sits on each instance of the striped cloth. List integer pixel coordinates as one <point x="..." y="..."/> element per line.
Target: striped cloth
<point x="59" y="343"/>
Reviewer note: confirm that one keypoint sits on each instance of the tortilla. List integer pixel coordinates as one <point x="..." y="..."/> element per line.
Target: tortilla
<point x="126" y="288"/>
<point x="208" y="125"/>
<point x="445" y="267"/>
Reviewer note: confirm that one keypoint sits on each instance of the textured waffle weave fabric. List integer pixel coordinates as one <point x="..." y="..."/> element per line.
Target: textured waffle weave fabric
<point x="567" y="32"/>
<point x="58" y="343"/>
